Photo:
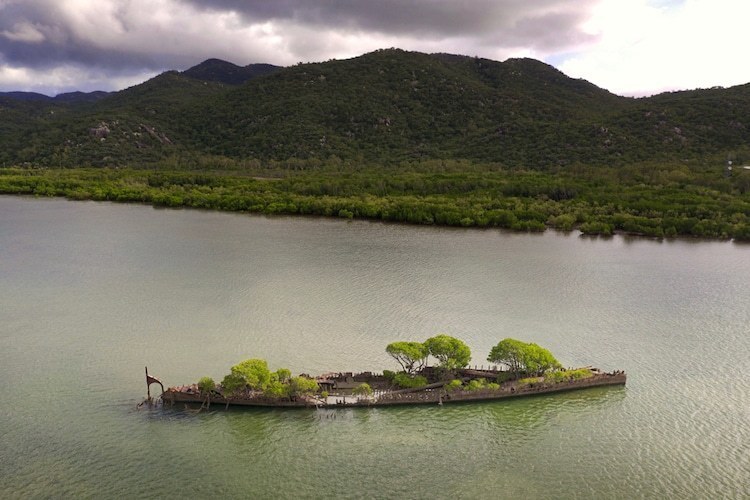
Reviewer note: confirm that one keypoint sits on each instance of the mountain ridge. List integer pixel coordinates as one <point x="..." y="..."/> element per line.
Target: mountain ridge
<point x="75" y="96"/>
<point x="386" y="106"/>
<point x="221" y="71"/>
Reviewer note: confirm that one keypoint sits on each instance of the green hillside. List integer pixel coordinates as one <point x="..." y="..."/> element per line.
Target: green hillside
<point x="385" y="107"/>
<point x="216" y="70"/>
<point x="390" y="106"/>
<point x="133" y="126"/>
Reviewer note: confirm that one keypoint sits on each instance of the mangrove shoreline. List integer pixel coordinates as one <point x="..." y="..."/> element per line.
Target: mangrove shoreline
<point x="651" y="201"/>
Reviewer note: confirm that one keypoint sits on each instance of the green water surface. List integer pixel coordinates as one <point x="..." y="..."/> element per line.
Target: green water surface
<point x="93" y="292"/>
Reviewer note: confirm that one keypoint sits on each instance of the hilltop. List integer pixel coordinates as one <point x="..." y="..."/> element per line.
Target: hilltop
<point x="216" y="70"/>
<point x="385" y="107"/>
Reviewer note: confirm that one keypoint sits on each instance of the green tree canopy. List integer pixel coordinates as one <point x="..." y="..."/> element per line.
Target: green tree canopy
<point x="233" y="383"/>
<point x="362" y="389"/>
<point x="540" y="360"/>
<point x="206" y="384"/>
<point x="520" y="357"/>
<point x="451" y="352"/>
<point x="283" y="375"/>
<point x="276" y="389"/>
<point x="255" y="372"/>
<point x="405" y="381"/>
<point x="302" y="385"/>
<point x="410" y="355"/>
<point x="282" y="384"/>
<point x="508" y="352"/>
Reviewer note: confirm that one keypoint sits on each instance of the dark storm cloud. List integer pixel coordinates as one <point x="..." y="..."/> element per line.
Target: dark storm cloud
<point x="39" y="34"/>
<point x="135" y="37"/>
<point x="43" y="33"/>
<point x="501" y="21"/>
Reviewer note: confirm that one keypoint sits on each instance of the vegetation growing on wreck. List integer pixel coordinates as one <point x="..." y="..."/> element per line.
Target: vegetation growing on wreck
<point x="253" y="378"/>
<point x="521" y="357"/>
<point x="254" y="375"/>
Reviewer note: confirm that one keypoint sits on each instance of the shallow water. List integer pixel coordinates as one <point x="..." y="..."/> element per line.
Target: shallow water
<point x="92" y="292"/>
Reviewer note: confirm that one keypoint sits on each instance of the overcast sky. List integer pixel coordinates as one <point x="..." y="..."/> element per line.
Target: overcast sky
<point x="630" y="47"/>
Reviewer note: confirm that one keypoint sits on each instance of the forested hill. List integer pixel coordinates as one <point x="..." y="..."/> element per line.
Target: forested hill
<point x="216" y="70"/>
<point x="385" y="107"/>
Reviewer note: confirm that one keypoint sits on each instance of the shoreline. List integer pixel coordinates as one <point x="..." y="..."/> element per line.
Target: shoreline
<point x="576" y="232"/>
<point x="525" y="201"/>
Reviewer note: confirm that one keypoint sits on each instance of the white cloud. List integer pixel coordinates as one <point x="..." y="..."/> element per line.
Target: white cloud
<point x="65" y="78"/>
<point x="24" y="32"/>
<point x="645" y="48"/>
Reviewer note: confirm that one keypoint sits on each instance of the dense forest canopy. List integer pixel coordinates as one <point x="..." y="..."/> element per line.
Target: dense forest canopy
<point x="385" y="107"/>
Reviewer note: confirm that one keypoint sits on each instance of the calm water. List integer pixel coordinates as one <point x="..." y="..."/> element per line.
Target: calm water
<point x="92" y="292"/>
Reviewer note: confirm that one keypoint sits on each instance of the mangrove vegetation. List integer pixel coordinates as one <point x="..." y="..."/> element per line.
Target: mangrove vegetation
<point x="654" y="200"/>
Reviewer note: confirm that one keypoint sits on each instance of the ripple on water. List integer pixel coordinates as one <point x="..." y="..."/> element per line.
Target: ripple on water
<point x="92" y="292"/>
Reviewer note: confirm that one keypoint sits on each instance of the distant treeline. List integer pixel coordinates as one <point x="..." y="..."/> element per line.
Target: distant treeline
<point x="651" y="200"/>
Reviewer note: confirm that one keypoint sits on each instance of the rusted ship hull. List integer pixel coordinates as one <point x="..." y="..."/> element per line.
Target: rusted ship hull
<point x="395" y="398"/>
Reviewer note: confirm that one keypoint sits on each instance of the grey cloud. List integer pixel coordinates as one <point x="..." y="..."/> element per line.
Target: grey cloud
<point x="544" y="32"/>
<point x="58" y="43"/>
<point x="499" y="20"/>
<point x="45" y="34"/>
<point x="35" y="32"/>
